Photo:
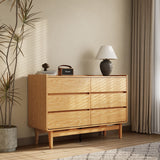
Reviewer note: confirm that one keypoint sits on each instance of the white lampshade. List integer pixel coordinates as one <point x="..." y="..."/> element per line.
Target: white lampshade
<point x="106" y="52"/>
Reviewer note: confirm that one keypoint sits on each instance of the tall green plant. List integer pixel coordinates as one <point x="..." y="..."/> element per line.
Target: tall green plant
<point x="11" y="40"/>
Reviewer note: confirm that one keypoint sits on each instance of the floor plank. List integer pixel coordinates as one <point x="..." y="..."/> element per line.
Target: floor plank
<point x="74" y="147"/>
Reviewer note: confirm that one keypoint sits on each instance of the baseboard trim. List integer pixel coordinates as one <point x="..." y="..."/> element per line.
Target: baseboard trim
<point x="44" y="138"/>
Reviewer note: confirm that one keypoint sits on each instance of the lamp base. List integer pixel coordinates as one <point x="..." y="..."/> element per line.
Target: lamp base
<point x="106" y="67"/>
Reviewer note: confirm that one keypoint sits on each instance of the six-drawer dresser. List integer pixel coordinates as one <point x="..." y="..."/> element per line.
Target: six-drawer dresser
<point x="68" y="105"/>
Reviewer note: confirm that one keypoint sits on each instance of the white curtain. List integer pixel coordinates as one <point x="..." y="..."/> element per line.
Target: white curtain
<point x="156" y="99"/>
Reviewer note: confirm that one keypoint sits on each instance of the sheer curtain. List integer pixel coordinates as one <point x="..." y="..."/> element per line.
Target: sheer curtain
<point x="156" y="105"/>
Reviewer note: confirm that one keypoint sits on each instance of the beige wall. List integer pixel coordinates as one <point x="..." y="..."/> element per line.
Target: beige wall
<point x="71" y="32"/>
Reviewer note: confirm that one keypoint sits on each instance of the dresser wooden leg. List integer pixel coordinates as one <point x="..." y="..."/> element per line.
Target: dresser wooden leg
<point x="50" y="138"/>
<point x="104" y="133"/>
<point x="120" y="131"/>
<point x="36" y="136"/>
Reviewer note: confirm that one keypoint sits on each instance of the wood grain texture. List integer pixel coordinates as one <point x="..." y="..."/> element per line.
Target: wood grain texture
<point x="67" y="105"/>
<point x="36" y="136"/>
<point x="120" y="131"/>
<point x="127" y="97"/>
<point x="108" y="100"/>
<point x="79" y="131"/>
<point x="37" y="101"/>
<point x="71" y="147"/>
<point x="86" y="126"/>
<point x="84" y="130"/>
<point x="68" y="85"/>
<point x="50" y="139"/>
<point x="104" y="133"/>
<point x="68" y="119"/>
<point x="108" y="84"/>
<point x="68" y="102"/>
<point x="103" y="116"/>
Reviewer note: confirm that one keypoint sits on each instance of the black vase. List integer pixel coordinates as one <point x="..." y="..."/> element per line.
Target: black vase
<point x="106" y="67"/>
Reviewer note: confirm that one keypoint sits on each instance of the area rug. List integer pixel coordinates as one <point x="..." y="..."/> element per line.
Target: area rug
<point x="149" y="151"/>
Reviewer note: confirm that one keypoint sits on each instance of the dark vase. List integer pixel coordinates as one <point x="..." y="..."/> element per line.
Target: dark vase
<point x="106" y="67"/>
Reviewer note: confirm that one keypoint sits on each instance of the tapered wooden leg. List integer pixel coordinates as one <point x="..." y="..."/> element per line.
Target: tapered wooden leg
<point x="36" y="136"/>
<point x="104" y="133"/>
<point x="120" y="131"/>
<point x="50" y="138"/>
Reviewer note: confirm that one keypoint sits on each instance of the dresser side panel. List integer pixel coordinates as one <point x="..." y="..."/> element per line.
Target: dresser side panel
<point x="37" y="101"/>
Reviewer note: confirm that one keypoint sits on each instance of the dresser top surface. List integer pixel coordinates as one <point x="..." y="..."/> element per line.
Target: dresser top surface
<point x="77" y="76"/>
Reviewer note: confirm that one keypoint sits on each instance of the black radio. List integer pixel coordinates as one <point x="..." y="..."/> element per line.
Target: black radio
<point x="65" y="70"/>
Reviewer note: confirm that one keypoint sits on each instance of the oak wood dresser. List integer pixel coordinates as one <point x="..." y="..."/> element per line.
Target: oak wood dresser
<point x="68" y="105"/>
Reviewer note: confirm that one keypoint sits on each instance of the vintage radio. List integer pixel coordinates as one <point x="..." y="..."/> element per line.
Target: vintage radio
<point x="65" y="70"/>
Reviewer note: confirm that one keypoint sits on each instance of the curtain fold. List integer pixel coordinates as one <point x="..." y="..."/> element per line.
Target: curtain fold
<point x="141" y="65"/>
<point x="156" y="84"/>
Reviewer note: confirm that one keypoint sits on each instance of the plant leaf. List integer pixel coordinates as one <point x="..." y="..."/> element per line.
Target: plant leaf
<point x="2" y="1"/>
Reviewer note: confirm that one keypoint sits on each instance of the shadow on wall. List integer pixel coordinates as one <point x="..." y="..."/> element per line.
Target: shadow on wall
<point x="35" y="50"/>
<point x="20" y="111"/>
<point x="35" y="54"/>
<point x="89" y="64"/>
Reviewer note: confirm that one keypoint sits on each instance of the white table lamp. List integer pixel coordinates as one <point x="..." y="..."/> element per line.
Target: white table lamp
<point x="106" y="53"/>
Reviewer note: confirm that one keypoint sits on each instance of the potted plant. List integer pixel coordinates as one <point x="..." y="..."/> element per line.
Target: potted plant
<point x="11" y="40"/>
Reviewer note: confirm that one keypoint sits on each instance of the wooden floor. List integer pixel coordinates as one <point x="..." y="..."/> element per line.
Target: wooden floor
<point x="74" y="147"/>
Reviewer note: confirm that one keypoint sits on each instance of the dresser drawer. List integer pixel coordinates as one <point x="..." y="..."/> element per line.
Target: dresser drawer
<point x="108" y="84"/>
<point x="68" y="119"/>
<point x="108" y="100"/>
<point x="68" y="102"/>
<point x="116" y="115"/>
<point x="68" y="85"/>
